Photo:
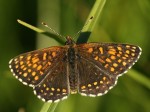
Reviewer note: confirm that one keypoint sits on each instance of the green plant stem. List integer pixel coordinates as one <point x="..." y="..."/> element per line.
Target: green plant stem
<point x="95" y="13"/>
<point x="48" y="107"/>
<point x="139" y="77"/>
<point x="30" y="26"/>
<point x="90" y="23"/>
<point x="38" y="30"/>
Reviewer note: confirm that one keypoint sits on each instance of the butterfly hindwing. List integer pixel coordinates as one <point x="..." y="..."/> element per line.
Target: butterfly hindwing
<point x="93" y="81"/>
<point x="55" y="85"/>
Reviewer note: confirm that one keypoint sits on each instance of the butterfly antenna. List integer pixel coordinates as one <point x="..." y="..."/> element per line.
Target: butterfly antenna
<point x="90" y="19"/>
<point x="43" y="23"/>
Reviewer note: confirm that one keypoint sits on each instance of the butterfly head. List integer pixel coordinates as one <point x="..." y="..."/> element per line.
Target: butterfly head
<point x="69" y="41"/>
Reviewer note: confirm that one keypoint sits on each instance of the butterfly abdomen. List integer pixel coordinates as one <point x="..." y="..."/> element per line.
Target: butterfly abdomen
<point x="73" y="80"/>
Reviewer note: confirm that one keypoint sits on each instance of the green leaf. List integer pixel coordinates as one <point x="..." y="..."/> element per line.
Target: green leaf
<point x="91" y="21"/>
<point x="38" y="30"/>
<point x="139" y="77"/>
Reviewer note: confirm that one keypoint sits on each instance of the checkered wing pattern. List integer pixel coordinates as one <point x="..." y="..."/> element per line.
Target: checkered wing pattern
<point x="32" y="67"/>
<point x="102" y="64"/>
<point x="92" y="80"/>
<point x="55" y="85"/>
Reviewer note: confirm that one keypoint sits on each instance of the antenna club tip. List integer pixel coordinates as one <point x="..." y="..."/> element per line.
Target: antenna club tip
<point x="18" y="20"/>
<point x="91" y="17"/>
<point x="43" y="23"/>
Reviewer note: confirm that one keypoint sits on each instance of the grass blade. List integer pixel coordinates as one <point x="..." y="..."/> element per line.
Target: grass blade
<point x="38" y="30"/>
<point x="48" y="107"/>
<point x="89" y="25"/>
<point x="139" y="77"/>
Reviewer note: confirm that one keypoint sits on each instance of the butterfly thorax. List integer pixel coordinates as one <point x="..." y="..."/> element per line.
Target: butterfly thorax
<point x="71" y="60"/>
<point x="69" y="41"/>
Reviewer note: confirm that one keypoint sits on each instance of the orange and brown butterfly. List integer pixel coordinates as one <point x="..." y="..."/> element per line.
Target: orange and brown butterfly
<point x="90" y="69"/>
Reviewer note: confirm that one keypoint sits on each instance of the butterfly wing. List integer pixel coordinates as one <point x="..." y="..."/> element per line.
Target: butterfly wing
<point x="92" y="80"/>
<point x="55" y="85"/>
<point x="32" y="67"/>
<point x="102" y="64"/>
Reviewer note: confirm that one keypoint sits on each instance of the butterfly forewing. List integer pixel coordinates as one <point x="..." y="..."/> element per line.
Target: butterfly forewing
<point x="55" y="85"/>
<point x="32" y="67"/>
<point x="112" y="59"/>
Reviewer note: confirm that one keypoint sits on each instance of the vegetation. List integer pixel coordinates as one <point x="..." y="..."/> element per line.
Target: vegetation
<point x="119" y="21"/>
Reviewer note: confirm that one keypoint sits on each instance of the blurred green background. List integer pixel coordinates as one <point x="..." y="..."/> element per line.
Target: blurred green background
<point x="124" y="21"/>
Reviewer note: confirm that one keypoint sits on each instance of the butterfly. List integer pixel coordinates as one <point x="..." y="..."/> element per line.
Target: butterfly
<point x="90" y="69"/>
